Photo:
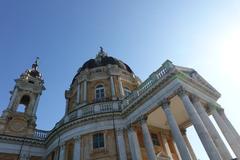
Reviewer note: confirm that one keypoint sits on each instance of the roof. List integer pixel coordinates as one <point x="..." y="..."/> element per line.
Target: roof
<point x="102" y="59"/>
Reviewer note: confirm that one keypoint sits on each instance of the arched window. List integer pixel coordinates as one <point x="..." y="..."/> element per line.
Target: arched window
<point x="99" y="92"/>
<point x="126" y="91"/>
<point x="24" y="102"/>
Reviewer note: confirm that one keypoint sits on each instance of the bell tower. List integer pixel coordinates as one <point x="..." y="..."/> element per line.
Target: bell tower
<point x="19" y="118"/>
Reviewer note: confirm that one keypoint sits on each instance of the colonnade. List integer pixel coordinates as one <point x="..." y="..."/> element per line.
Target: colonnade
<point x="209" y="136"/>
<point x="198" y="116"/>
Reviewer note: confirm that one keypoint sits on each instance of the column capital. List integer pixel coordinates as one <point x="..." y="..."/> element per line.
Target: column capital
<point x="211" y="107"/>
<point x="77" y="138"/>
<point x="143" y="119"/>
<point x="62" y="145"/>
<point x="165" y="103"/>
<point x="195" y="98"/>
<point x="181" y="91"/>
<point x="130" y="127"/>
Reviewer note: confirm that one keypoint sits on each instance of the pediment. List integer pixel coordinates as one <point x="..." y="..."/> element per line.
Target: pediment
<point x="197" y="77"/>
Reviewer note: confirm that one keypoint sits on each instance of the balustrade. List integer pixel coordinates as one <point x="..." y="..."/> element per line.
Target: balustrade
<point x="154" y="78"/>
<point x="40" y="134"/>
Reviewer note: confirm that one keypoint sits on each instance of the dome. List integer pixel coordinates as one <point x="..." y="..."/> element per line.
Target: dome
<point x="102" y="59"/>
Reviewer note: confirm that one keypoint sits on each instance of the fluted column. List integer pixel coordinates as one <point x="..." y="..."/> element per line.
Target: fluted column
<point x="201" y="130"/>
<point x="78" y="92"/>
<point x="77" y="147"/>
<point x="121" y="91"/>
<point x="177" y="136"/>
<point x="226" y="132"/>
<point x="211" y="129"/>
<point x="229" y="124"/>
<point x="85" y="91"/>
<point x="147" y="139"/>
<point x="121" y="145"/>
<point x="134" y="144"/>
<point x="189" y="146"/>
<point x="62" y="152"/>
<point x="112" y="86"/>
<point x="166" y="146"/>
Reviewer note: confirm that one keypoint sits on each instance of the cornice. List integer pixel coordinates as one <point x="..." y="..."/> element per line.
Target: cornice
<point x="192" y="82"/>
<point x="20" y="140"/>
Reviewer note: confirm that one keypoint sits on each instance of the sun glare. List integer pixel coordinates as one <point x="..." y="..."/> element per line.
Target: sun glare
<point x="229" y="50"/>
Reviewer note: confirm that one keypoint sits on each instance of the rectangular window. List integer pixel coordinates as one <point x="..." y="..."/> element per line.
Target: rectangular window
<point x="98" y="140"/>
<point x="155" y="139"/>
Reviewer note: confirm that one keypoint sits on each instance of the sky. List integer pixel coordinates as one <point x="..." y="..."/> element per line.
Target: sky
<point x="203" y="35"/>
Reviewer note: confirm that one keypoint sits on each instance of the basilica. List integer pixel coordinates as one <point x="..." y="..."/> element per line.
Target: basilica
<point x="111" y="114"/>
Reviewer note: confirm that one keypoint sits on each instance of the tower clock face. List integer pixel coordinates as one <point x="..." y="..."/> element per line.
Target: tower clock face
<point x="17" y="124"/>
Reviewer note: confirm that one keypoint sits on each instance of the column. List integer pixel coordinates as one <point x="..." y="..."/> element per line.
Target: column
<point x="177" y="136"/>
<point x="36" y="105"/>
<point x="66" y="108"/>
<point x="62" y="152"/>
<point x="121" y="91"/>
<point x="147" y="139"/>
<point x="56" y="155"/>
<point x="25" y="156"/>
<point x="190" y="149"/>
<point x="134" y="145"/>
<point x="229" y="124"/>
<point x="201" y="130"/>
<point x="77" y="147"/>
<point x="211" y="129"/>
<point x="112" y="86"/>
<point x="13" y="97"/>
<point x="226" y="132"/>
<point x="78" y="93"/>
<point x="165" y="143"/>
<point x="85" y="91"/>
<point x="177" y="151"/>
<point x="121" y="145"/>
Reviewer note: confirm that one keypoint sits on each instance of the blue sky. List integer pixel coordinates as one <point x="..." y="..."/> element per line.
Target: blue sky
<point x="64" y="34"/>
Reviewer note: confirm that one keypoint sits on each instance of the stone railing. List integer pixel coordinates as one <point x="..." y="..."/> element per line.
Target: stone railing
<point x="90" y="110"/>
<point x="40" y="134"/>
<point x="155" y="77"/>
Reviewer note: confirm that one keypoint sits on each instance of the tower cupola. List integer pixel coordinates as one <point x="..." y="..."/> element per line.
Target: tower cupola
<point x="20" y="116"/>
